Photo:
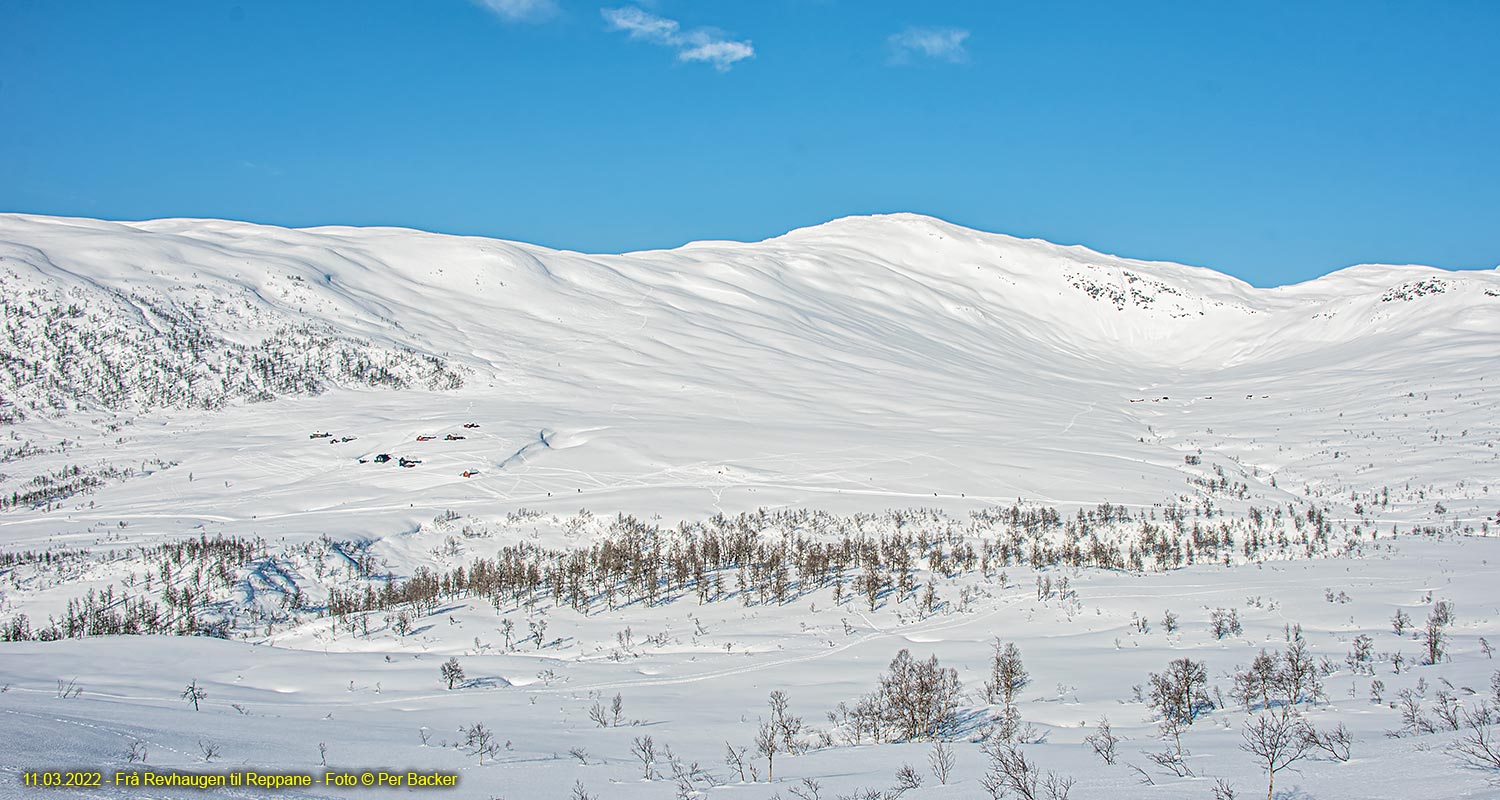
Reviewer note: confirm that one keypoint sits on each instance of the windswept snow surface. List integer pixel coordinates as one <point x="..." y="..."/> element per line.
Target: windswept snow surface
<point x="160" y="380"/>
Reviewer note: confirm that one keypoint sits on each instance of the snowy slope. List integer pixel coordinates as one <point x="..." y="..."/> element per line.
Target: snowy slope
<point x="161" y="380"/>
<point x="895" y="355"/>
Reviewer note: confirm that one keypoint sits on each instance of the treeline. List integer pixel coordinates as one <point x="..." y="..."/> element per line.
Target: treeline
<point x="189" y="572"/>
<point x="61" y="484"/>
<point x="98" y="614"/>
<point x="112" y="350"/>
<point x="774" y="557"/>
<point x="42" y="557"/>
<point x="765" y="557"/>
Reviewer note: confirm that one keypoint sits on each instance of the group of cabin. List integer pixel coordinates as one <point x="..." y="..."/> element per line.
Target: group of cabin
<point x="329" y="437"/>
<point x="1208" y="397"/>
<point x="452" y="437"/>
<point x="403" y="461"/>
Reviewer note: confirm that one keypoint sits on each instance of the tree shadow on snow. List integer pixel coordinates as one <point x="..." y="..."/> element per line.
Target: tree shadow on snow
<point x="488" y="682"/>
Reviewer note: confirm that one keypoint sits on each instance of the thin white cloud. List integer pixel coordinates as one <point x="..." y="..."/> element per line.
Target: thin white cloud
<point x="718" y="52"/>
<point x="262" y="168"/>
<point x="943" y="44"/>
<point x="521" y="10"/>
<point x="708" y="45"/>
<point x="640" y="24"/>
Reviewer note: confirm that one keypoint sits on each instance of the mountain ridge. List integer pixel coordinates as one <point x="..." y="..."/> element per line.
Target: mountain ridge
<point x="967" y="364"/>
<point x="837" y="224"/>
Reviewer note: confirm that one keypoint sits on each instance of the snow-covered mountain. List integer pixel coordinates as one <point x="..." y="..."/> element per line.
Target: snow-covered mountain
<point x="893" y="355"/>
<point x="688" y="478"/>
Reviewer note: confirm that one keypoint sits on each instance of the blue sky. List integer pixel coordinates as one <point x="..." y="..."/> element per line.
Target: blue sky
<point x="1274" y="141"/>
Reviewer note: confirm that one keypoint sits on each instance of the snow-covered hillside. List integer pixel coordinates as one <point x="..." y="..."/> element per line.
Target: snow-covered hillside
<point x="893" y="357"/>
<point x="696" y="476"/>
